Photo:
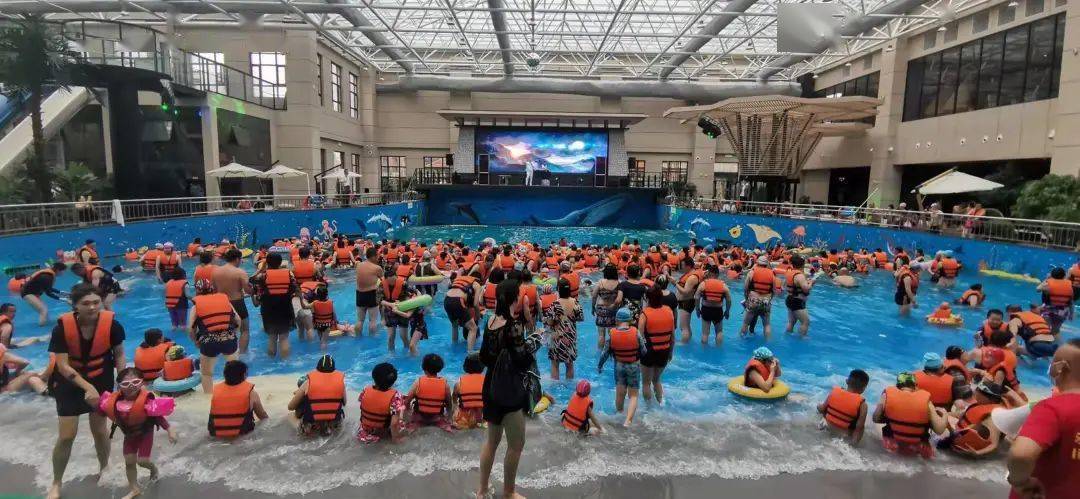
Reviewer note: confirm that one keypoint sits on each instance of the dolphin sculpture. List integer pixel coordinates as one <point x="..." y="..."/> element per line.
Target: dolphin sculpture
<point x="599" y="213"/>
<point x="465" y="209"/>
<point x="380" y="218"/>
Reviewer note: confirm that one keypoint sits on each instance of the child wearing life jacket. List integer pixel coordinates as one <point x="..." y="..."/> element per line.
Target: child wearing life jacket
<point x="394" y="290"/>
<point x="324" y="318"/>
<point x="579" y="415"/>
<point x="972" y="434"/>
<point x="627" y="345"/>
<point x="430" y="396"/>
<point x="973" y="296"/>
<point x="137" y="413"/>
<point x="176" y="299"/>
<point x="382" y="408"/>
<point x="845" y="409"/>
<point x="178" y="366"/>
<point x="414" y="319"/>
<point x="762" y="371"/>
<point x="468" y="395"/>
<point x="150" y="355"/>
<point x="942" y="312"/>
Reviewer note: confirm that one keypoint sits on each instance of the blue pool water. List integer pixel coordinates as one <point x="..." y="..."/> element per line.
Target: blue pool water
<point x="702" y="429"/>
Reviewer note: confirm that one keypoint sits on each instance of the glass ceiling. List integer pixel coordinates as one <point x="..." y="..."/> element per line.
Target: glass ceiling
<point x="627" y="39"/>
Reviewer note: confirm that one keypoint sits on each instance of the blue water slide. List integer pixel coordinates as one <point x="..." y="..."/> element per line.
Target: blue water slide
<point x="10" y="108"/>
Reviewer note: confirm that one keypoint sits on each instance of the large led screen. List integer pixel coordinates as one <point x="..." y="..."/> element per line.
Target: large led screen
<point x="560" y="151"/>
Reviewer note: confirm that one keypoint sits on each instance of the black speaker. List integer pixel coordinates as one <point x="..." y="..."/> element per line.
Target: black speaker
<point x="631" y="164"/>
<point x="601" y="165"/>
<point x="482" y="176"/>
<point x="450" y="159"/>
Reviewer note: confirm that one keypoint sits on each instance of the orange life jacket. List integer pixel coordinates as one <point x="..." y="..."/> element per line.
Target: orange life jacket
<point x="322" y="313"/>
<point x="1032" y="322"/>
<point x="949" y="268"/>
<point x="506" y="262"/>
<point x="966" y="297"/>
<point x="325" y="395"/>
<point x="304" y="271"/>
<point x="967" y="436"/>
<point x="277" y="282"/>
<point x="761" y="280"/>
<point x="151" y="360"/>
<point x="192" y="249"/>
<point x="89" y="364"/>
<point x="375" y="408"/>
<point x="93" y="254"/>
<point x="431" y="395"/>
<point x="713" y="290"/>
<point x="529" y="291"/>
<point x="624" y="343"/>
<point x="914" y="281"/>
<point x="176" y="370"/>
<point x="1059" y="292"/>
<point x="169" y="261"/>
<point x="575" y="283"/>
<point x="135" y="422"/>
<point x="759" y="367"/>
<point x="955" y="365"/>
<point x="659" y="328"/>
<point x="213" y="312"/>
<point x="464" y="283"/>
<point x="986" y="331"/>
<point x="470" y="391"/>
<point x="1010" y="371"/>
<point x="842" y="408"/>
<point x="792" y="288"/>
<point x="1074" y="275"/>
<point x="548" y="300"/>
<point x="938" y="386"/>
<point x="576" y="415"/>
<point x="149" y="259"/>
<point x="404" y="270"/>
<point x="697" y="273"/>
<point x="204" y="272"/>
<point x="489" y="295"/>
<point x="230" y="410"/>
<point x="343" y="256"/>
<point x="906" y="415"/>
<point x="975" y="414"/>
<point x="174" y="292"/>
<point x="393" y="294"/>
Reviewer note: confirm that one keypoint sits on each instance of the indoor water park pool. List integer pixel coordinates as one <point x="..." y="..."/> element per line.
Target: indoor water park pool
<point x="701" y="430"/>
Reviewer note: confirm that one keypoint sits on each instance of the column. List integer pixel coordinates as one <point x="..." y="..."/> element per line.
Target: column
<point x="884" y="173"/>
<point x="1065" y="151"/>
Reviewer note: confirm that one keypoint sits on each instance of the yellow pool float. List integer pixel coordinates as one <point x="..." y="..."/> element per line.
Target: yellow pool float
<point x="544" y="403"/>
<point x="1008" y="275"/>
<point x="780" y="390"/>
<point x="334" y="333"/>
<point x="953" y="320"/>
<point x="246" y="252"/>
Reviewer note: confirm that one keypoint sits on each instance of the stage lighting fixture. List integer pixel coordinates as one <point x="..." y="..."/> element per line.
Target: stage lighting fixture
<point x="709" y="128"/>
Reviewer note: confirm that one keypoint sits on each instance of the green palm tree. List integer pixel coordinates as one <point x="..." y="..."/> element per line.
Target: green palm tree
<point x="33" y="53"/>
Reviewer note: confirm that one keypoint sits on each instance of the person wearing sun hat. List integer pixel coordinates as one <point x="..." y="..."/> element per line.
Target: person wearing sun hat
<point x="627" y="345"/>
<point x="908" y="416"/>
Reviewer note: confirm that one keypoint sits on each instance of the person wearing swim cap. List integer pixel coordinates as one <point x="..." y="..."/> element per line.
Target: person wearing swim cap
<point x="908" y="417"/>
<point x="318" y="403"/>
<point x="579" y="415"/>
<point x="627" y="345"/>
<point x="762" y="371"/>
<point x="760" y="285"/>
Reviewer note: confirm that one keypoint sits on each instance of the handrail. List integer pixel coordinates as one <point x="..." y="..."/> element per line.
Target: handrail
<point x="1042" y="233"/>
<point x="39" y="217"/>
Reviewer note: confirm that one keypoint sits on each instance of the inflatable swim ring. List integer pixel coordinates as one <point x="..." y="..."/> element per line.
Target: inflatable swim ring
<point x="953" y="320"/>
<point x="544" y="403"/>
<point x="181" y="385"/>
<point x="543" y="281"/>
<point x="780" y="390"/>
<point x="335" y="333"/>
<point x="14" y="285"/>
<point x="143" y="249"/>
<point x="428" y="279"/>
<point x="246" y="252"/>
<point x="1008" y="275"/>
<point x="414" y="303"/>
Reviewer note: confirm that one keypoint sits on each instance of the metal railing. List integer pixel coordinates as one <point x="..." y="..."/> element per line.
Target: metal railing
<point x="111" y="43"/>
<point x="23" y="218"/>
<point x="1042" y="233"/>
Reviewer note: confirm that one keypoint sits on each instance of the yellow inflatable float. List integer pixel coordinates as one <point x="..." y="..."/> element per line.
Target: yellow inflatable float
<point x="779" y="390"/>
<point x="951" y="321"/>
<point x="1008" y="275"/>
<point x="544" y="403"/>
<point x="246" y="252"/>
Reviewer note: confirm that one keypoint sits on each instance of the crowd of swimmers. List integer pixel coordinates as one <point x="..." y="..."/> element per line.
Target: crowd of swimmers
<point x="643" y="300"/>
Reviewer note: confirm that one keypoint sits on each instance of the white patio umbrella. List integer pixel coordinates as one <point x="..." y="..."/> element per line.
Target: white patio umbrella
<point x="234" y="170"/>
<point x="282" y="171"/>
<point x="952" y="182"/>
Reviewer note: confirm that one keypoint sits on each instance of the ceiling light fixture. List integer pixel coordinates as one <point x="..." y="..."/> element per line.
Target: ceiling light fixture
<point x="942" y="29"/>
<point x="1013" y="4"/>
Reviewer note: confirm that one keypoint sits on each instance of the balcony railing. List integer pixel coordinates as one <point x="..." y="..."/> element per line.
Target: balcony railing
<point x="1042" y="233"/>
<point x="22" y="218"/>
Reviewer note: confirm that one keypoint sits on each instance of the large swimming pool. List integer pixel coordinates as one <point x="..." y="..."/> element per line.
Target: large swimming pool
<point x="702" y="429"/>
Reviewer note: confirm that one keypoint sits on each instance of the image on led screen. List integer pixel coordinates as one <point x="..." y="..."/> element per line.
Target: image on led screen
<point x="558" y="151"/>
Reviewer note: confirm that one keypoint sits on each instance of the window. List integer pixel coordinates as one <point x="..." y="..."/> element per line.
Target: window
<point x="1022" y="64"/>
<point x="866" y="85"/>
<point x="318" y="78"/>
<point x="339" y="159"/>
<point x="929" y="40"/>
<point x="950" y="32"/>
<point x="980" y="22"/>
<point x="269" y="70"/>
<point x="207" y="74"/>
<point x="1032" y="7"/>
<point x="335" y="87"/>
<point x="1006" y="14"/>
<point x="354" y="109"/>
<point x="674" y="171"/>
<point x="435" y="162"/>
<point x="638" y="167"/>
<point x="356" y="163"/>
<point x="393" y="175"/>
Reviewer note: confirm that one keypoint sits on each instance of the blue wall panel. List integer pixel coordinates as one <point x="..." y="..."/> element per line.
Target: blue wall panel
<point x="754" y="230"/>
<point x="551" y="206"/>
<point x="257" y="228"/>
